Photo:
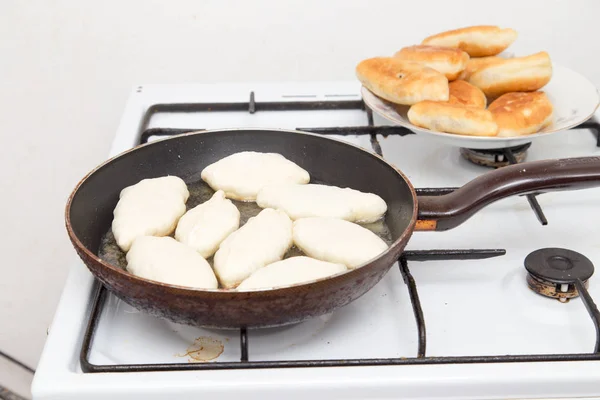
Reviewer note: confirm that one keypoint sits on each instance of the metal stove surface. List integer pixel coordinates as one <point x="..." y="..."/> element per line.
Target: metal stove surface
<point x="481" y="307"/>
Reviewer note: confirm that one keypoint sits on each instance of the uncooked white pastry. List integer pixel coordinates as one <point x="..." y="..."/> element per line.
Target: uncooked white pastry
<point x="313" y="200"/>
<point x="290" y="271"/>
<point x="151" y="207"/>
<point x="337" y="241"/>
<point x="263" y="240"/>
<point x="165" y="260"/>
<point x="242" y="175"/>
<point x="205" y="226"/>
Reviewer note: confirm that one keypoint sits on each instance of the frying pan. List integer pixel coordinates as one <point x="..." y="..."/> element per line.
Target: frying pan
<point x="90" y="206"/>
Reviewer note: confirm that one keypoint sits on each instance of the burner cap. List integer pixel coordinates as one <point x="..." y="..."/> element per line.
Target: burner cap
<point x="559" y="265"/>
<point x="552" y="272"/>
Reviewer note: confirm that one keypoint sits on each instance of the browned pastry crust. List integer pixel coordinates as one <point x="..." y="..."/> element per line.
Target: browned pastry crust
<point x="476" y="63"/>
<point x="519" y="74"/>
<point x="452" y="118"/>
<point x="478" y="41"/>
<point x="521" y="113"/>
<point x="449" y="61"/>
<point x="464" y="94"/>
<point x="402" y="82"/>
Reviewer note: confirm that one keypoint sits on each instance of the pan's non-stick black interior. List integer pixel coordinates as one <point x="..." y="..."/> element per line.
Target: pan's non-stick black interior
<point x="327" y="161"/>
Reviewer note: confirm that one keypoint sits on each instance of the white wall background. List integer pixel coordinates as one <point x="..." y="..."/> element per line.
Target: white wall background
<point x="66" y="68"/>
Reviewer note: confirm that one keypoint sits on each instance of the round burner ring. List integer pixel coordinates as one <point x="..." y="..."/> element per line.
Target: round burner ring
<point x="494" y="158"/>
<point x="552" y="272"/>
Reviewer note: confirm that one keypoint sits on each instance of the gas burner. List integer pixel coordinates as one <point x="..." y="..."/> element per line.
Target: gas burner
<point x="553" y="271"/>
<point x="496" y="158"/>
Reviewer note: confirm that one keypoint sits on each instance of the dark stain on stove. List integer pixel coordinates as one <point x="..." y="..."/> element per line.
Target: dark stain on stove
<point x="204" y="349"/>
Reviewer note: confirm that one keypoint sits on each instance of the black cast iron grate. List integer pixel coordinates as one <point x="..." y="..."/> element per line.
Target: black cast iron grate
<point x="423" y="255"/>
<point x="252" y="106"/>
<point x="420" y="358"/>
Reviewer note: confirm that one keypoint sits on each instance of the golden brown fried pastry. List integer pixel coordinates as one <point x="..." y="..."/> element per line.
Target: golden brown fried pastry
<point x="452" y="118"/>
<point x="476" y="63"/>
<point x="519" y="74"/>
<point x="518" y="114"/>
<point x="464" y="94"/>
<point x="448" y="61"/>
<point x="478" y="41"/>
<point x="402" y="82"/>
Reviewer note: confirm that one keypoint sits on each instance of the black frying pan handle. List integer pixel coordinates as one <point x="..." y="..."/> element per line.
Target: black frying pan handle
<point x="448" y="211"/>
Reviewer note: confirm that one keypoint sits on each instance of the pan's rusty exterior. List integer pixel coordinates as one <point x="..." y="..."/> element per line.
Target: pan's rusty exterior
<point x="89" y="215"/>
<point x="232" y="309"/>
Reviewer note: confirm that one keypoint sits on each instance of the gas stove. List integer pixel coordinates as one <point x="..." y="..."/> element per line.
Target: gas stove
<point x="500" y="307"/>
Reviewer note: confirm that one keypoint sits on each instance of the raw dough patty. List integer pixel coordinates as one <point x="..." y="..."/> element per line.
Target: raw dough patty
<point x="337" y="241"/>
<point x="205" y="226"/>
<point x="151" y="207"/>
<point x="242" y="175"/>
<point x="163" y="259"/>
<point x="312" y="200"/>
<point x="263" y="240"/>
<point x="290" y="271"/>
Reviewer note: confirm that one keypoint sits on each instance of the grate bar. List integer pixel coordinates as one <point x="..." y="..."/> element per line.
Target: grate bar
<point x="533" y="358"/>
<point x="376" y="145"/>
<point x="90" y="330"/>
<point x="252" y="104"/>
<point x="440" y="255"/>
<point x="537" y="209"/>
<point x="416" y="306"/>
<point x="246" y="106"/>
<point x="340" y="131"/>
<point x="359" y="130"/>
<point x="591" y="308"/>
<point x="370" y="120"/>
<point x="244" y="344"/>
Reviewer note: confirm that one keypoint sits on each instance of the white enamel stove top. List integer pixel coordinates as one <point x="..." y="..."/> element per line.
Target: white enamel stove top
<point x="471" y="308"/>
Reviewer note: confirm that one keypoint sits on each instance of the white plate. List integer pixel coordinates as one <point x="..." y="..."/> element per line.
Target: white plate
<point x="575" y="99"/>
